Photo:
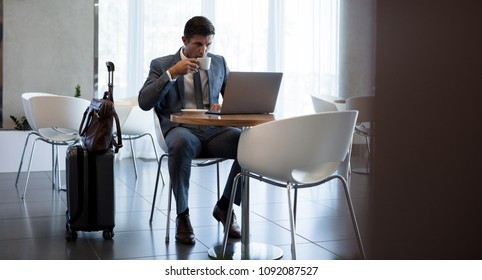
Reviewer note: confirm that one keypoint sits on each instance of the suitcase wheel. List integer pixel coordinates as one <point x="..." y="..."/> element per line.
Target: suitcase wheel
<point x="108" y="234"/>
<point x="70" y="235"/>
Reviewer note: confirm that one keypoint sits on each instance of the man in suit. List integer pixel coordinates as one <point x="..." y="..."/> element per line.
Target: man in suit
<point x="170" y="87"/>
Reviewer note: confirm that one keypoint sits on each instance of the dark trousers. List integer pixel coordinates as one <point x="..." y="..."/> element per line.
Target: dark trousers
<point x="188" y="142"/>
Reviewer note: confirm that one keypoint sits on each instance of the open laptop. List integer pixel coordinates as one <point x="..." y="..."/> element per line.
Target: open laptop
<point x="250" y="93"/>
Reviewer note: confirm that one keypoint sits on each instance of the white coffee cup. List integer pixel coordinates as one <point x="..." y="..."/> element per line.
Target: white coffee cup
<point x="204" y="62"/>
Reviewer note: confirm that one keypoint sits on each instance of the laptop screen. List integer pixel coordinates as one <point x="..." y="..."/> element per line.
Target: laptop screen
<point x="251" y="93"/>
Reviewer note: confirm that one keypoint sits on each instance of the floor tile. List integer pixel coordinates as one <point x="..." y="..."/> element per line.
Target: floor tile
<point x="34" y="228"/>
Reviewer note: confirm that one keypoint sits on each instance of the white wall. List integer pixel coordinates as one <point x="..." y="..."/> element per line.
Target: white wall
<point x="11" y="147"/>
<point x="49" y="47"/>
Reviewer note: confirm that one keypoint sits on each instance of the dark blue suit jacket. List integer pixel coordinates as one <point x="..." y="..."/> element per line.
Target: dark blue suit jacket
<point x="166" y="96"/>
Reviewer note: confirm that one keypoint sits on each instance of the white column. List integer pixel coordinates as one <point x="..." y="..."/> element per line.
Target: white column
<point x="357" y="48"/>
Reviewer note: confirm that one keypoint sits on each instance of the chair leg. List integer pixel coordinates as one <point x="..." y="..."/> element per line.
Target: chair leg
<point x="230" y="213"/>
<point x="217" y="174"/>
<point x="295" y="204"/>
<point x="54" y="162"/>
<point x="57" y="169"/>
<point x="345" y="167"/>
<point x="292" y="222"/>
<point x="168" y="221"/>
<point x="133" y="156"/>
<point x="365" y="170"/>
<point x="155" y="191"/>
<point x="154" y="147"/>
<point x="367" y="163"/>
<point x="23" y="155"/>
<point x="160" y="170"/>
<point x="28" y="169"/>
<point x="159" y="174"/>
<point x="353" y="217"/>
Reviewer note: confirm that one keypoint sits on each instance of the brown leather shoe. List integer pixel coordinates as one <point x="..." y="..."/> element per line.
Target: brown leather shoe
<point x="184" y="231"/>
<point x="222" y="215"/>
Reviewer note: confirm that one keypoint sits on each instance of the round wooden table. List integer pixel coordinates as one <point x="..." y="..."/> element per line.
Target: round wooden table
<point x="243" y="120"/>
<point x="245" y="249"/>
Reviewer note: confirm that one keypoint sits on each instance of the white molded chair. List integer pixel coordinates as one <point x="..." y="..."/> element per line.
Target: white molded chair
<point x="28" y="115"/>
<point x="135" y="124"/>
<point x="322" y="105"/>
<point x="365" y="105"/>
<point x="298" y="152"/>
<point x="199" y="162"/>
<point x="55" y="119"/>
<point x="325" y="103"/>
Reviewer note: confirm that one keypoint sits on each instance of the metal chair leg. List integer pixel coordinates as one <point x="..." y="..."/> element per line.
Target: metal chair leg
<point x="54" y="162"/>
<point x="154" y="147"/>
<point x="230" y="213"/>
<point x="295" y="204"/>
<point x="23" y="155"/>
<point x="353" y="217"/>
<point x="218" y="181"/>
<point x="155" y="191"/>
<point x="168" y="221"/>
<point x="160" y="170"/>
<point x="58" y="181"/>
<point x="289" y="186"/>
<point x="28" y="169"/>
<point x="133" y="156"/>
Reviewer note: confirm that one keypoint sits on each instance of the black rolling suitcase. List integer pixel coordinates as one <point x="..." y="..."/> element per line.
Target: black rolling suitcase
<point x="90" y="180"/>
<point x="90" y="192"/>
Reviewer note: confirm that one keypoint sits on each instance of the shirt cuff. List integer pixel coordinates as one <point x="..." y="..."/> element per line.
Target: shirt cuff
<point x="170" y="77"/>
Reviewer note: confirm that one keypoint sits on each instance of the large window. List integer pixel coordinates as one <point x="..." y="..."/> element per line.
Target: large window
<point x="298" y="38"/>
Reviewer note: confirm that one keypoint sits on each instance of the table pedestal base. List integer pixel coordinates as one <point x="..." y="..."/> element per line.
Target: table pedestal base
<point x="257" y="251"/>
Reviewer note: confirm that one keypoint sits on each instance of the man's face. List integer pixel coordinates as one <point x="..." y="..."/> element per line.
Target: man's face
<point x="197" y="46"/>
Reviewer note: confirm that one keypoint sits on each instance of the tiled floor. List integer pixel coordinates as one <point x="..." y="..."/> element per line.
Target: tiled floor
<point x="34" y="229"/>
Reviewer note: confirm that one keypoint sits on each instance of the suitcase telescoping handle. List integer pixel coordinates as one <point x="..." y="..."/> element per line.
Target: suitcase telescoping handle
<point x="110" y="93"/>
<point x="110" y="66"/>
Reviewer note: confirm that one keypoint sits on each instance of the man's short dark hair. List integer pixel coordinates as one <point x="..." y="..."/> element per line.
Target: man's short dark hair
<point x="198" y="25"/>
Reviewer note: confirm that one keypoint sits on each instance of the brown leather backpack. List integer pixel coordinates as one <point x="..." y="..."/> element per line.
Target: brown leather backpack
<point x="97" y="123"/>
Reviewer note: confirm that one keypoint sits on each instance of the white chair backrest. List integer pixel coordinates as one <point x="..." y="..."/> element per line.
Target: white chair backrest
<point x="303" y="149"/>
<point x="160" y="137"/>
<point x="321" y="105"/>
<point x="57" y="111"/>
<point x="137" y="121"/>
<point x="365" y="105"/>
<point x="27" y="109"/>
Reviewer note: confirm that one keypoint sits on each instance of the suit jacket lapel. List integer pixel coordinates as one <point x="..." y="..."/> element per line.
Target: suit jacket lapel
<point x="210" y="80"/>
<point x="180" y="89"/>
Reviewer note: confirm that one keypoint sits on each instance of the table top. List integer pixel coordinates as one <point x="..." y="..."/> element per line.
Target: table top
<point x="221" y="120"/>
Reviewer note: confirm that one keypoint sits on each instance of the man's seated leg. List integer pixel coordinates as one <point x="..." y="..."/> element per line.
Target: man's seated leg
<point x="224" y="144"/>
<point x="183" y="147"/>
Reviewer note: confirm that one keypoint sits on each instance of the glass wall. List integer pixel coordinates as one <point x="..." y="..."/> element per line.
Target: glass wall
<point x="298" y="38"/>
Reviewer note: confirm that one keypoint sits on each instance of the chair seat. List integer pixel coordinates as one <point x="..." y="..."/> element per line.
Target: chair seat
<point x="312" y="173"/>
<point x="59" y="134"/>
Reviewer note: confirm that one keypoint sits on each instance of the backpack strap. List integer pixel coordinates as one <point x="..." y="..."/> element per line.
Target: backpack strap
<point x="117" y="144"/>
